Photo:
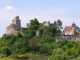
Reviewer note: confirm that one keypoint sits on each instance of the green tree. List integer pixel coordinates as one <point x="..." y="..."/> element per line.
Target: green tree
<point x="33" y="44"/>
<point x="34" y="25"/>
<point x="55" y="24"/>
<point x="58" y="54"/>
<point x="59" y="22"/>
<point x="44" y="49"/>
<point x="5" y="50"/>
<point x="19" y="33"/>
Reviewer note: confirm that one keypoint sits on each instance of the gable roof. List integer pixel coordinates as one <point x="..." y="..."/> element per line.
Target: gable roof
<point x="68" y="28"/>
<point x="13" y="26"/>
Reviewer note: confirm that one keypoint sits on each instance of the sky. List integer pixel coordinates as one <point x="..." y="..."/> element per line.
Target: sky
<point x="68" y="11"/>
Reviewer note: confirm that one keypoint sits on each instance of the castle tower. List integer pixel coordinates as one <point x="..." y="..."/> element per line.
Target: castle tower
<point x="16" y="20"/>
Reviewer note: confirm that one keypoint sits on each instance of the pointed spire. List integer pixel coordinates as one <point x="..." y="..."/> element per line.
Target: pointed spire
<point x="73" y="24"/>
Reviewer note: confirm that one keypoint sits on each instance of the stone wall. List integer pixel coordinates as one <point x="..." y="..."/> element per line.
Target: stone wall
<point x="11" y="31"/>
<point x="73" y="37"/>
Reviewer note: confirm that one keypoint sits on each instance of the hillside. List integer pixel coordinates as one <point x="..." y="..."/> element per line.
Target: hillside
<point x="41" y="46"/>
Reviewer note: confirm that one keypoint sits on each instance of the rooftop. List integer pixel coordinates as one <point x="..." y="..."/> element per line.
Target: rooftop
<point x="13" y="26"/>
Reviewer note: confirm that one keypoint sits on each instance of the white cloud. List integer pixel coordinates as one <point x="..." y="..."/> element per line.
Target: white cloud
<point x="10" y="8"/>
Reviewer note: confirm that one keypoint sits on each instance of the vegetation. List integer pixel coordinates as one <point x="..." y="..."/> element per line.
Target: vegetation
<point x="6" y="59"/>
<point x="28" y="45"/>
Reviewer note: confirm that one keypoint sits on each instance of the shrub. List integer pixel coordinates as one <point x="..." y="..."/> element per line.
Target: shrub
<point x="5" y="50"/>
<point x="24" y="56"/>
<point x="44" y="49"/>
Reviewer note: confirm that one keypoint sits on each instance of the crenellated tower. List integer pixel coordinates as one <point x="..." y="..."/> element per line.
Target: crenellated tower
<point x="16" y="20"/>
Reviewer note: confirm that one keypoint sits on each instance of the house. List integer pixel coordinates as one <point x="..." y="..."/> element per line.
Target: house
<point x="12" y="28"/>
<point x="69" y="30"/>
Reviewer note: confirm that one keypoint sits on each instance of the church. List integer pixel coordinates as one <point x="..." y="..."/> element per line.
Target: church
<point x="69" y="30"/>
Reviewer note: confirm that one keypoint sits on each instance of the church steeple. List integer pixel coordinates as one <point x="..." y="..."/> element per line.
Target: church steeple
<point x="73" y="24"/>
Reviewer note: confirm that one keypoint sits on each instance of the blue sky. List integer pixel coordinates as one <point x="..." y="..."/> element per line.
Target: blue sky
<point x="44" y="10"/>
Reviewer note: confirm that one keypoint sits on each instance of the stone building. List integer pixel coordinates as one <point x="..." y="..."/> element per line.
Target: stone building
<point x="45" y="23"/>
<point x="38" y="33"/>
<point x="12" y="28"/>
<point x="69" y="30"/>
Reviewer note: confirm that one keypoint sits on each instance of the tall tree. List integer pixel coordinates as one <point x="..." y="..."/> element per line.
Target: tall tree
<point x="55" y="23"/>
<point x="59" y="23"/>
<point x="33" y="44"/>
<point x="34" y="25"/>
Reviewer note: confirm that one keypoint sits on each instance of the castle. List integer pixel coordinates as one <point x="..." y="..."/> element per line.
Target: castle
<point x="12" y="28"/>
<point x="16" y="24"/>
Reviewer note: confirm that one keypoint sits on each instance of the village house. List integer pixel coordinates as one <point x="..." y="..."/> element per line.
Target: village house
<point x="69" y="30"/>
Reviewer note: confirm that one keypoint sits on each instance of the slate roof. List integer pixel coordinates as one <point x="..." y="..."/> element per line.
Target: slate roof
<point x="74" y="25"/>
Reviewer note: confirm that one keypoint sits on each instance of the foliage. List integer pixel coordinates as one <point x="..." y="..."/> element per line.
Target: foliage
<point x="20" y="44"/>
<point x="5" y="50"/>
<point x="33" y="44"/>
<point x="6" y="59"/>
<point x="24" y="56"/>
<point x="44" y="49"/>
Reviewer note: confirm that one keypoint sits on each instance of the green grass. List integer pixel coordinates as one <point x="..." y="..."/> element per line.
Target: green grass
<point x="6" y="59"/>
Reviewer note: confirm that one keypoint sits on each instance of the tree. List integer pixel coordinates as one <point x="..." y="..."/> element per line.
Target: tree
<point x="34" y="24"/>
<point x="18" y="44"/>
<point x="76" y="33"/>
<point x="58" y="54"/>
<point x="33" y="44"/>
<point x="50" y="30"/>
<point x="5" y="50"/>
<point x="19" y="33"/>
<point x="44" y="49"/>
<point x="55" y="24"/>
<point x="59" y="22"/>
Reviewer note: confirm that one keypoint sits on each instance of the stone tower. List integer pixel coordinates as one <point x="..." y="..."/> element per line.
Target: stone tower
<point x="16" y="20"/>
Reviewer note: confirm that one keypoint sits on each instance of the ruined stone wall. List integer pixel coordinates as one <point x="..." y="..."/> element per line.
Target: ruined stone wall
<point x="11" y="31"/>
<point x="68" y="38"/>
